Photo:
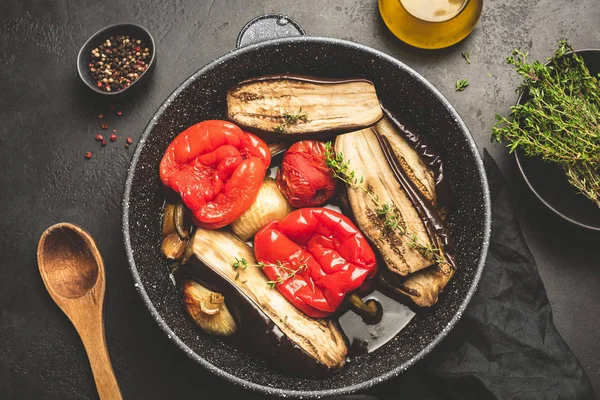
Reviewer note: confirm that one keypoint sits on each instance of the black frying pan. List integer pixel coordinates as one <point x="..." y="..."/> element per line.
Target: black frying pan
<point x="410" y="98"/>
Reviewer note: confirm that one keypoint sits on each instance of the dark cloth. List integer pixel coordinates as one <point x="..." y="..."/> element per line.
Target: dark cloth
<point x="505" y="346"/>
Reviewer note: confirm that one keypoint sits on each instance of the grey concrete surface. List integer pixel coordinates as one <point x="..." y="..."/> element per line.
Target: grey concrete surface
<point x="45" y="36"/>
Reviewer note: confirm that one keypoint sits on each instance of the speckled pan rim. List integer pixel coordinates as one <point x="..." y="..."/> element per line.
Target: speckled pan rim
<point x="315" y="393"/>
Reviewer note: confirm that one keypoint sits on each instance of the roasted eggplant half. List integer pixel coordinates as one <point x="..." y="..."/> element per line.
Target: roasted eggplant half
<point x="367" y="160"/>
<point x="404" y="184"/>
<point x="423" y="287"/>
<point x="293" y="341"/>
<point x="289" y="106"/>
<point x="410" y="160"/>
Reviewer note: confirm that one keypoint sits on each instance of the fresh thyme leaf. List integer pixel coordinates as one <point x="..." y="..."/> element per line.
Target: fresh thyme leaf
<point x="383" y="210"/>
<point x="237" y="263"/>
<point x="291" y="119"/>
<point x="242" y="263"/>
<point x="559" y="121"/>
<point x="466" y="56"/>
<point x="461" y="85"/>
<point x="414" y="240"/>
<point x="271" y="284"/>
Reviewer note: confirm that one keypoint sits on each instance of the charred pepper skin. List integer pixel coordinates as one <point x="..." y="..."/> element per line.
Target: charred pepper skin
<point x="217" y="169"/>
<point x="315" y="256"/>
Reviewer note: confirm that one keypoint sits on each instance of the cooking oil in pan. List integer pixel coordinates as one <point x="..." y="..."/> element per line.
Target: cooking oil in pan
<point x="430" y="24"/>
<point x="365" y="338"/>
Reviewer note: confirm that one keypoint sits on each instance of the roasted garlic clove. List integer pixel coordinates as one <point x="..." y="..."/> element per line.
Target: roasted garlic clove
<point x="173" y="247"/>
<point x="208" y="309"/>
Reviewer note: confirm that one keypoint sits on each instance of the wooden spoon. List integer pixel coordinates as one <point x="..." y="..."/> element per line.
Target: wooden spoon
<point x="73" y="272"/>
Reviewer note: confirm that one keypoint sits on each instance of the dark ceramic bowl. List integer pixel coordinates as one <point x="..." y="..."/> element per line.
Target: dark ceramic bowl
<point x="98" y="38"/>
<point x="549" y="183"/>
<point x="411" y="99"/>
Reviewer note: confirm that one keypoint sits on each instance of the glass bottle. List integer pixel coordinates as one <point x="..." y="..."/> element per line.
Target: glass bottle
<point x="430" y="24"/>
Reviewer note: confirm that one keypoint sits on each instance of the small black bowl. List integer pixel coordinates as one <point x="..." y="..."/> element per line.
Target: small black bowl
<point x="548" y="181"/>
<point x="133" y="30"/>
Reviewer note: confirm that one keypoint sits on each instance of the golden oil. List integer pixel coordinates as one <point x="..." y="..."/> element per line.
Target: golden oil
<point x="430" y="24"/>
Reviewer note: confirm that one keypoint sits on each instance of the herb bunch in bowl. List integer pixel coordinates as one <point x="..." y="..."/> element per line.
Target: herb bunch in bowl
<point x="559" y="120"/>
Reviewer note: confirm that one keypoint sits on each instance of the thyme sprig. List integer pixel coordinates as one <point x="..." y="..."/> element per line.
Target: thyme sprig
<point x="560" y="120"/>
<point x="392" y="219"/>
<point x="242" y="263"/>
<point x="292" y="119"/>
<point x="290" y="273"/>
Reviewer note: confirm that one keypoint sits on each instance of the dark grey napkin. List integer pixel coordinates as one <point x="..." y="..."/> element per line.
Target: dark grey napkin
<point x="505" y="346"/>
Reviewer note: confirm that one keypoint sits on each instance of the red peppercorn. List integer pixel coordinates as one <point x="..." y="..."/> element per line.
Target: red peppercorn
<point x="114" y="130"/>
<point x="101" y="116"/>
<point x="103" y="143"/>
<point x="88" y="155"/>
<point x="99" y="137"/>
<point x="129" y="140"/>
<point x="105" y="126"/>
<point x="119" y="113"/>
<point x="113" y="137"/>
<point x="99" y="84"/>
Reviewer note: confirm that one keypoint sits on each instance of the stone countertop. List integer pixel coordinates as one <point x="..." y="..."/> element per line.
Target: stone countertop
<point x="48" y="123"/>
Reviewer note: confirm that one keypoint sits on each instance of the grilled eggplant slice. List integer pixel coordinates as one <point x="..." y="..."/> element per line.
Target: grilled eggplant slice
<point x="410" y="186"/>
<point x="425" y="286"/>
<point x="411" y="162"/>
<point x="287" y="106"/>
<point x="428" y="156"/>
<point x="292" y="340"/>
<point x="367" y="160"/>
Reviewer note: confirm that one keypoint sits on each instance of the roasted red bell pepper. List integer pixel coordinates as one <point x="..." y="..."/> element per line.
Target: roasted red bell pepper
<point x="314" y="256"/>
<point x="304" y="177"/>
<point x="217" y="169"/>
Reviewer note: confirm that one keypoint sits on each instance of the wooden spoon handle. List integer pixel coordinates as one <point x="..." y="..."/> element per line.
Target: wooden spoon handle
<point x="94" y="342"/>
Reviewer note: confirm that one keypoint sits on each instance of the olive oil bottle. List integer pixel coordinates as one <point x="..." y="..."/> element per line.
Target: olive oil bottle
<point x="430" y="24"/>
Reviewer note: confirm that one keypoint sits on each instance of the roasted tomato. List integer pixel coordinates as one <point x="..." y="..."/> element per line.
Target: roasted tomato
<point x="303" y="177"/>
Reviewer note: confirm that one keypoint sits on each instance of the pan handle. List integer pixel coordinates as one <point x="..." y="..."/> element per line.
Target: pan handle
<point x="267" y="27"/>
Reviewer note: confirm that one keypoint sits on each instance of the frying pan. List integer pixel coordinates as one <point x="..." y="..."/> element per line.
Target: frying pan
<point x="409" y="97"/>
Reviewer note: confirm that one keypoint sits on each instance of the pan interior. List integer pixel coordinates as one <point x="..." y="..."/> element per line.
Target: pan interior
<point x="412" y="100"/>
